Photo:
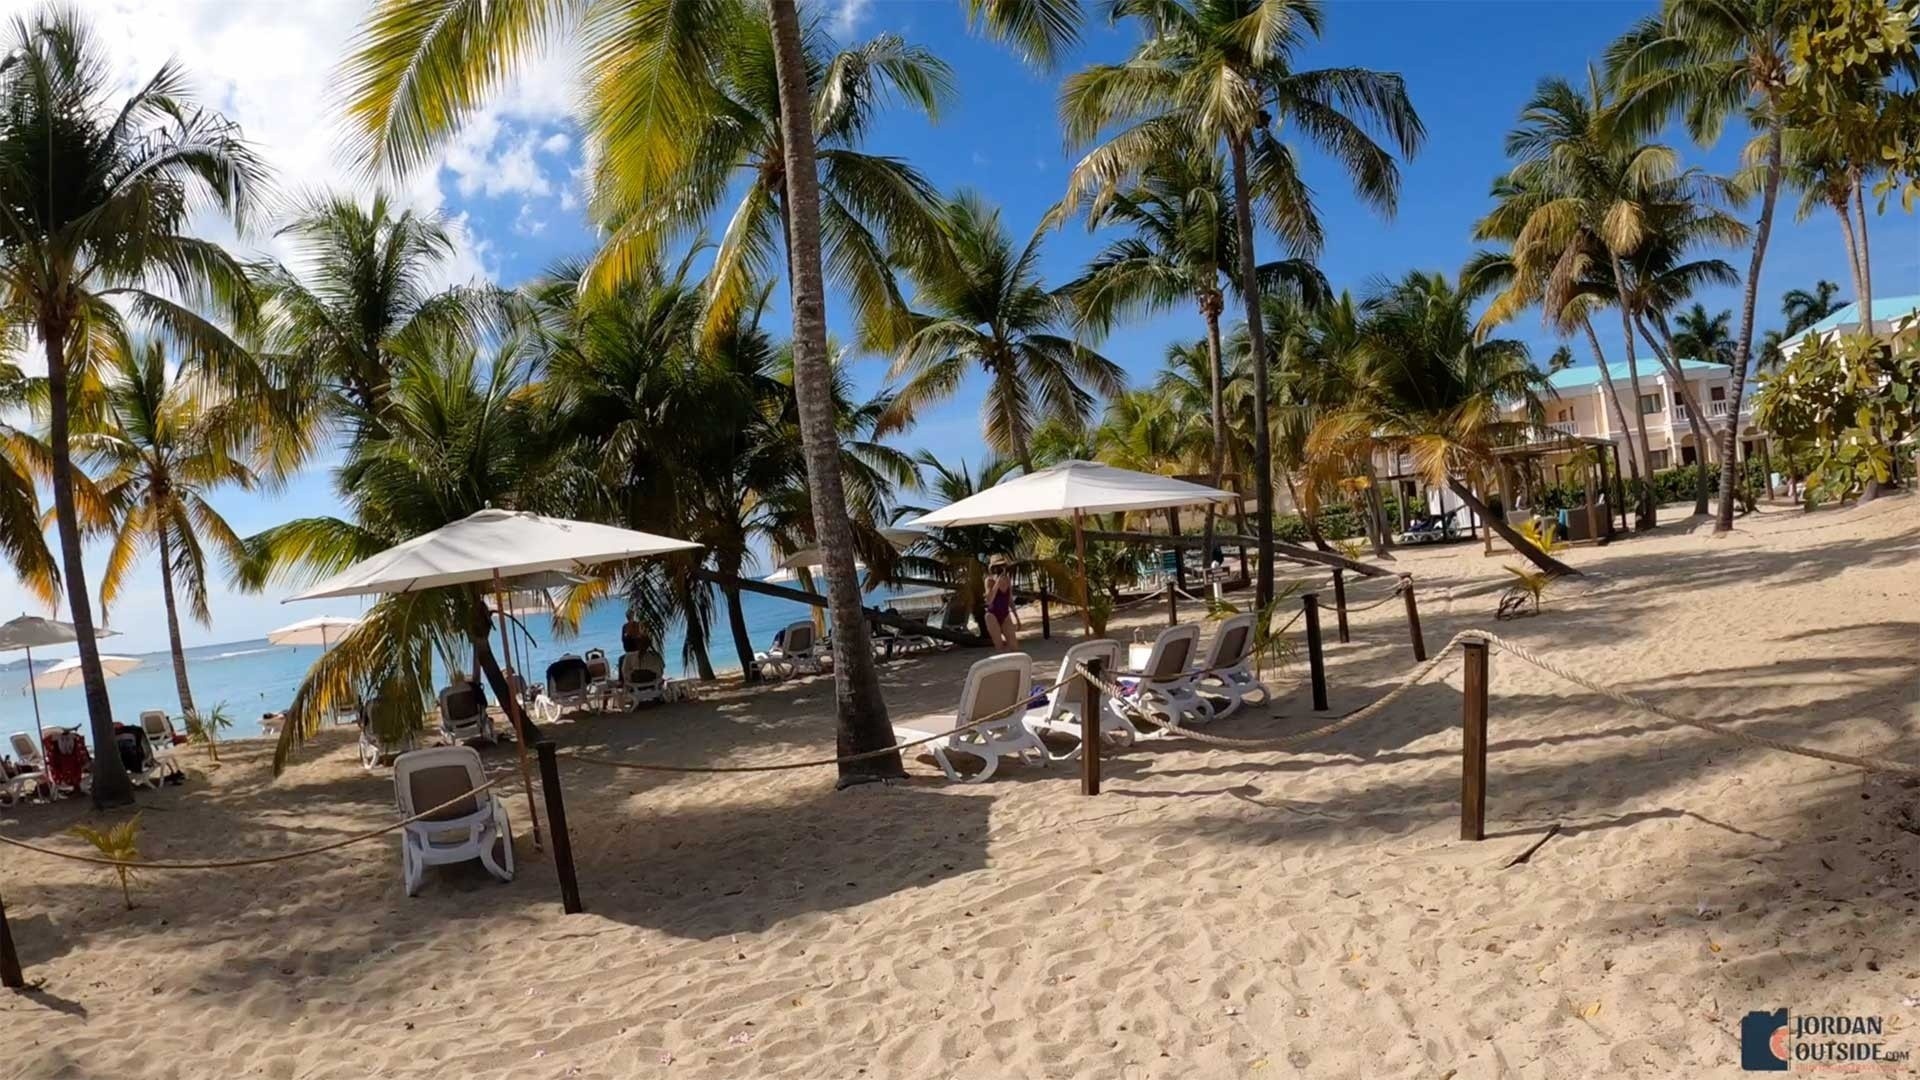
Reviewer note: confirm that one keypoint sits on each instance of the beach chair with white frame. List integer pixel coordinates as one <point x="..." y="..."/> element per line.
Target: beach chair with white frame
<point x="1164" y="685"/>
<point x="475" y="827"/>
<point x="640" y="679"/>
<point x="31" y="771"/>
<point x="793" y="655"/>
<point x="1227" y="672"/>
<point x="993" y="685"/>
<point x="462" y="714"/>
<point x="159" y="729"/>
<point x="1061" y="714"/>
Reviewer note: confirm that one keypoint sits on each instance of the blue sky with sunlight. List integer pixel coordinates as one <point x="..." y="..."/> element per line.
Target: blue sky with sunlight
<point x="1468" y="67"/>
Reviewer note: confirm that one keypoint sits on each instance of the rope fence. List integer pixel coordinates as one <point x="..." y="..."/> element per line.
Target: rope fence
<point x="263" y="860"/>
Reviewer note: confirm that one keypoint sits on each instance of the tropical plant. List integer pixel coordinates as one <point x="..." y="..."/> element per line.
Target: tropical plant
<point x="1803" y="308"/>
<point x="1849" y="401"/>
<point x="1443" y="399"/>
<point x="460" y="435"/>
<point x="160" y="446"/>
<point x="1698" y="335"/>
<point x="1223" y="71"/>
<point x="1270" y="647"/>
<point x="958" y="554"/>
<point x="981" y="304"/>
<point x="1708" y="60"/>
<point x="99" y="196"/>
<point x="119" y="843"/>
<point x="207" y="726"/>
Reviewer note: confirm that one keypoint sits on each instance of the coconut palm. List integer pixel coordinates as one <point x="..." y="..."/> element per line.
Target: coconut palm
<point x="1803" y="308"/>
<point x="1701" y="335"/>
<point x="1708" y="60"/>
<point x="981" y="304"/>
<point x="1441" y="396"/>
<point x="163" y="445"/>
<point x="958" y="554"/>
<point x="99" y="195"/>
<point x="1181" y="243"/>
<point x="459" y="435"/>
<point x="1223" y="71"/>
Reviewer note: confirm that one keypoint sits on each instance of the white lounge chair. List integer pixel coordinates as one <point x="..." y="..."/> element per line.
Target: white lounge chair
<point x="793" y="653"/>
<point x="993" y="685"/>
<point x="540" y="708"/>
<point x="1164" y="686"/>
<point x="1061" y="714"/>
<point x="1227" y="672"/>
<point x="159" y="729"/>
<point x="30" y="776"/>
<point x="375" y="750"/>
<point x="462" y="715"/>
<point x="475" y="827"/>
<point x="568" y="685"/>
<point x="640" y="681"/>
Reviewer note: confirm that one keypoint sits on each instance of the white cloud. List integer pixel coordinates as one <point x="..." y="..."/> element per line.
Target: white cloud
<point x="556" y="143"/>
<point x="847" y="16"/>
<point x="526" y="224"/>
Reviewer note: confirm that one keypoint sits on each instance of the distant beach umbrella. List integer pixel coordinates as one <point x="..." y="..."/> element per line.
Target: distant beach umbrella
<point x="1072" y="489"/>
<point x="67" y="672"/>
<point x="321" y="630"/>
<point x="29" y="632"/>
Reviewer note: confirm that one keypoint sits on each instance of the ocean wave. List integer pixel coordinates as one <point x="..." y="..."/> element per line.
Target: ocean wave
<point x="243" y="652"/>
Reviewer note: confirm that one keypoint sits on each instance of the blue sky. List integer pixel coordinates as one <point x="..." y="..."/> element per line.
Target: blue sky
<point x="1468" y="66"/>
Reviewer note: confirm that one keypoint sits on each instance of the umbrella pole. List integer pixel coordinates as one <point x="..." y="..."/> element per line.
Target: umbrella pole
<point x="39" y="732"/>
<point x="514" y="718"/>
<point x="1086" y="597"/>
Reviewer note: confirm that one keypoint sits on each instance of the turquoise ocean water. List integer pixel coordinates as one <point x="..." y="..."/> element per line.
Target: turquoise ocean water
<point x="253" y="677"/>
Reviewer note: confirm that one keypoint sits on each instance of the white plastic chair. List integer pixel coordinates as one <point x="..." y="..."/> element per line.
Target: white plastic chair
<point x="993" y="685"/>
<point x="794" y="654"/>
<point x="159" y="729"/>
<point x="568" y="685"/>
<point x="1164" y="686"/>
<point x="475" y="827"/>
<point x="32" y="776"/>
<point x="374" y="750"/>
<point x="462" y="716"/>
<point x="1061" y="714"/>
<point x="1227" y="671"/>
<point x="640" y="680"/>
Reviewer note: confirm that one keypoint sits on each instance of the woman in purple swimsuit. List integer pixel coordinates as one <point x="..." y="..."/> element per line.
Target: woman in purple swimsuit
<point x="1003" y="622"/>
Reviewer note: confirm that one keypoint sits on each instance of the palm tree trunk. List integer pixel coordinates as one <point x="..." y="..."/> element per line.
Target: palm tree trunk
<point x="1743" y="345"/>
<point x="1866" y="253"/>
<point x="1619" y="413"/>
<point x="737" y="621"/>
<point x="1257" y="353"/>
<point x="1210" y="305"/>
<point x="1505" y="531"/>
<point x="1844" y="208"/>
<point x="111" y="785"/>
<point x="1179" y="557"/>
<point x="1648" y="514"/>
<point x="862" y="711"/>
<point x="697" y="645"/>
<point x="1307" y="517"/>
<point x="173" y="625"/>
<point x="1702" y="488"/>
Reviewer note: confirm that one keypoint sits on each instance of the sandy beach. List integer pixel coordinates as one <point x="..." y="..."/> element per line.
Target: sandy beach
<point x="1214" y="913"/>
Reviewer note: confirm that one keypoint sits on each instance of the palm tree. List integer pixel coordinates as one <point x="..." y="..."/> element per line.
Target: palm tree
<point x="1703" y="336"/>
<point x="1223" y="71"/>
<point x="1708" y="60"/>
<point x="459" y="435"/>
<point x="424" y="66"/>
<point x="959" y="554"/>
<point x="163" y="446"/>
<point x="99" y="197"/>
<point x="1441" y="395"/>
<point x="357" y="301"/>
<point x="983" y="305"/>
<point x="1817" y="167"/>
<point x="1802" y="308"/>
<point x="1182" y="242"/>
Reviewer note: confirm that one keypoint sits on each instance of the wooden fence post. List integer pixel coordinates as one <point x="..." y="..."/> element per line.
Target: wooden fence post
<point x="1340" y="603"/>
<point x="1090" y="713"/>
<point x="557" y="826"/>
<point x="1473" y="724"/>
<point x="1413" y="619"/>
<point x="1046" y="616"/>
<point x="1316" y="661"/>
<point x="10" y="975"/>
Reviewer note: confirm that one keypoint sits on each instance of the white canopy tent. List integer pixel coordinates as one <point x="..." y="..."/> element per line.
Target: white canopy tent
<point x="1072" y="489"/>
<point x="492" y="547"/>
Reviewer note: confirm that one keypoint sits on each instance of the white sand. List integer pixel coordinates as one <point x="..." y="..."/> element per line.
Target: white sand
<point x="1215" y="913"/>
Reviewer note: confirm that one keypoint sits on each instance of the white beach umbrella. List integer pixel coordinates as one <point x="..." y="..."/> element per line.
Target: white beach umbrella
<point x="31" y="631"/>
<point x="67" y="672"/>
<point x="319" y="630"/>
<point x="1071" y="489"/>
<point x="490" y="547"/>
<point x="493" y="547"/>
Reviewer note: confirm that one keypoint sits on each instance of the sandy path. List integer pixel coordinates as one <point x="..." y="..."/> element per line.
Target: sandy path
<point x="1215" y="913"/>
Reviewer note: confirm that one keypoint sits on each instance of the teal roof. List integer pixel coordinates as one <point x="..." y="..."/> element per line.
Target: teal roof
<point x="1884" y="308"/>
<point x="1589" y="374"/>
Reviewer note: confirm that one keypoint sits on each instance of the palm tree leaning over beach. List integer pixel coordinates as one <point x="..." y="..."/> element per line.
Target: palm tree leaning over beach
<point x="1222" y="71"/>
<point x="982" y="305"/>
<point x="1709" y="61"/>
<point x="99" y="196"/>
<point x="160" y="446"/>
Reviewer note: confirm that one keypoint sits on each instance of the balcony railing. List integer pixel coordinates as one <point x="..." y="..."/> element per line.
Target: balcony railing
<point x="1565" y="427"/>
<point x="1717" y="408"/>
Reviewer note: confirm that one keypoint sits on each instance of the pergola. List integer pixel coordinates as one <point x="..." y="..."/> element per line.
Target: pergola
<point x="1557" y="450"/>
